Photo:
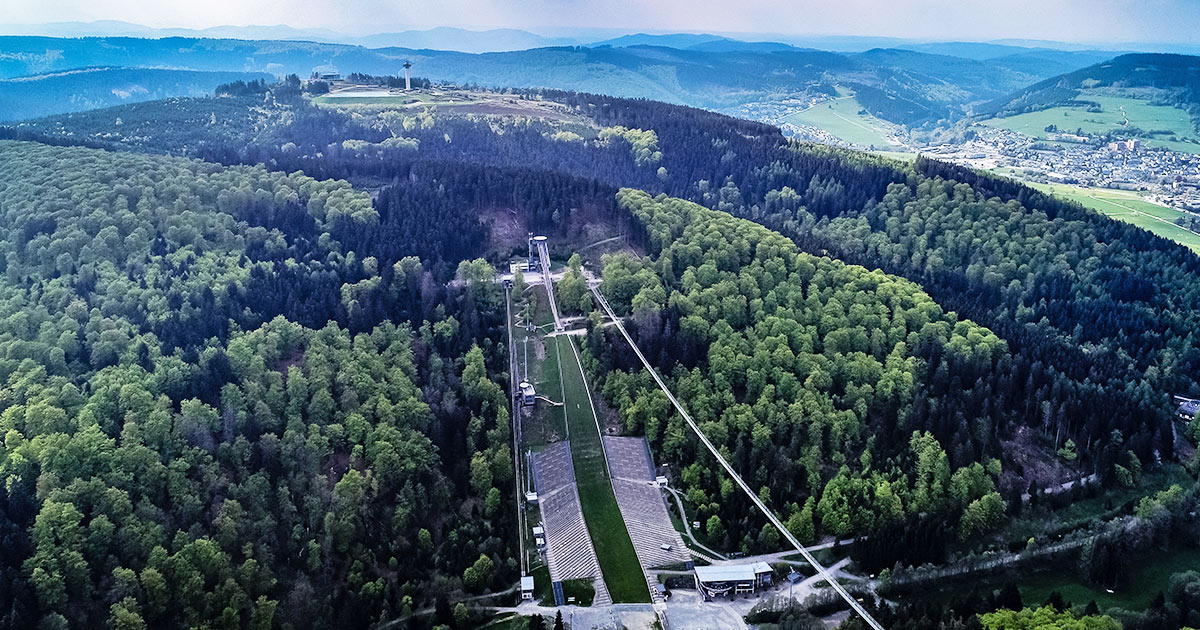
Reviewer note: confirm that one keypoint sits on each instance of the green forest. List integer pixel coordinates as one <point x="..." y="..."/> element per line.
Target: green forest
<point x="254" y="368"/>
<point x="191" y="458"/>
<point x="806" y="370"/>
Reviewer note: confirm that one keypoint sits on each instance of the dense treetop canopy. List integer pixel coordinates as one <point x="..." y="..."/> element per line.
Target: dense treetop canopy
<point x="183" y="455"/>
<point x="820" y="378"/>
<point x="245" y="392"/>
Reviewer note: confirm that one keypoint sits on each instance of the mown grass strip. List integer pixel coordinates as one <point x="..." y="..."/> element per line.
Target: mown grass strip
<point x="614" y="549"/>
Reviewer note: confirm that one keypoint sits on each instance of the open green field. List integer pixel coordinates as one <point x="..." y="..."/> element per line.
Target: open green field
<point x="1184" y="237"/>
<point x="1114" y="109"/>
<point x="841" y="118"/>
<point x="461" y="102"/>
<point x="384" y="98"/>
<point x="1130" y="207"/>
<point x="1107" y="200"/>
<point x="618" y="560"/>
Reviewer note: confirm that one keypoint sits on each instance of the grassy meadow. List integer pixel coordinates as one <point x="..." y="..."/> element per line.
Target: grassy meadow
<point x="841" y="118"/>
<point x="1115" y="110"/>
<point x="1130" y="207"/>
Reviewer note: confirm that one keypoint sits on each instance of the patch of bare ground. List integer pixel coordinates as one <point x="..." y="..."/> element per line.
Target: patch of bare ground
<point x="336" y="467"/>
<point x="610" y="418"/>
<point x="1029" y="460"/>
<point x="296" y="358"/>
<point x="1184" y="449"/>
<point x="513" y="108"/>
<point x="507" y="228"/>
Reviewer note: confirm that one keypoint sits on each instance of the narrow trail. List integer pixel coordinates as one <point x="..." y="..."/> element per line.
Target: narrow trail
<point x="601" y="242"/>
<point x="391" y="623"/>
<point x="960" y="569"/>
<point x="687" y="527"/>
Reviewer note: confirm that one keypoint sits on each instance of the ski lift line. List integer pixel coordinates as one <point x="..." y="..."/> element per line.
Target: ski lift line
<point x="829" y="578"/>
<point x="515" y="418"/>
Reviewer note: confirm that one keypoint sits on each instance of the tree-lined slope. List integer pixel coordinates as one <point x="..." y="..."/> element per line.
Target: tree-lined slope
<point x="861" y="402"/>
<point x="93" y="88"/>
<point x="819" y="379"/>
<point x="177" y="453"/>
<point x="1169" y="79"/>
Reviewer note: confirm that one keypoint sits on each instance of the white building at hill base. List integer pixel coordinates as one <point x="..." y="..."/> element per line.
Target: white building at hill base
<point x="731" y="579"/>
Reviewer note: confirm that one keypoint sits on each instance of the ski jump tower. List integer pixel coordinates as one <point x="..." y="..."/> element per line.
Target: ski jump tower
<point x="539" y="260"/>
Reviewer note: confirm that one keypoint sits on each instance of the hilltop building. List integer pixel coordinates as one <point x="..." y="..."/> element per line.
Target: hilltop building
<point x="326" y="73"/>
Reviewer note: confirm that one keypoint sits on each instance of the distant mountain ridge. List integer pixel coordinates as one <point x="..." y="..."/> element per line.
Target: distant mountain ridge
<point x="440" y="38"/>
<point x="1171" y="78"/>
<point x="671" y="40"/>
<point x="64" y="92"/>
<point x="462" y="40"/>
<point x="117" y="28"/>
<point x="898" y="85"/>
<point x="508" y="39"/>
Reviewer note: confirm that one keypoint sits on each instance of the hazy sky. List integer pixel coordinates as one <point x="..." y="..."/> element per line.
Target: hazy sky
<point x="1066" y="20"/>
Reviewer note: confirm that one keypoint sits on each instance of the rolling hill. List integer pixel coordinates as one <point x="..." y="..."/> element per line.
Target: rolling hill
<point x="92" y="88"/>
<point x="1169" y="79"/>
<point x="1155" y="97"/>
<point x="672" y="40"/>
<point x="896" y="85"/>
<point x="459" y="39"/>
<point x="924" y="317"/>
